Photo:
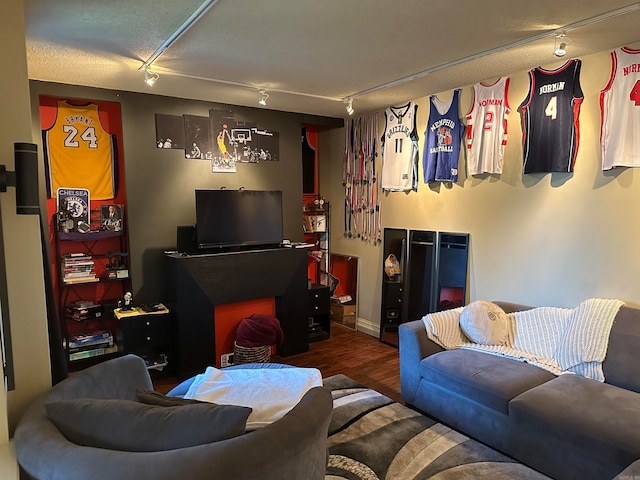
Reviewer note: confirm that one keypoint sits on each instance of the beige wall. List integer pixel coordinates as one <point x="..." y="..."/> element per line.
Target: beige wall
<point x="551" y="239"/>
<point x="21" y="241"/>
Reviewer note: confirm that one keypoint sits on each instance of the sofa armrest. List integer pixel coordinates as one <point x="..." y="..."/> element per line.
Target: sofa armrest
<point x="414" y="346"/>
<point x="629" y="473"/>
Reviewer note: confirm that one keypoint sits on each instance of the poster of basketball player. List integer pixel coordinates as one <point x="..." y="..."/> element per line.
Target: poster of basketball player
<point x="169" y="131"/>
<point x="197" y="137"/>
<point x="267" y="145"/>
<point x="224" y="152"/>
<point x="241" y="141"/>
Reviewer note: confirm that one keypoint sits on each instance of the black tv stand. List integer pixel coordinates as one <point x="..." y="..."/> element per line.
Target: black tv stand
<point x="197" y="283"/>
<point x="209" y="250"/>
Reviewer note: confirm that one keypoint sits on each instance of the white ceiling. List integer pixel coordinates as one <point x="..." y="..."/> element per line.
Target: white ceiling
<point x="310" y="54"/>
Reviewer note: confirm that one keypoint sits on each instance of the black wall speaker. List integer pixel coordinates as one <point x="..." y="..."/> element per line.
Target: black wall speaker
<point x="26" y="162"/>
<point x="186" y="239"/>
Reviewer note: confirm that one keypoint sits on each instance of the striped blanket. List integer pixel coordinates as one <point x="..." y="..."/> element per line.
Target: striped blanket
<point x="560" y="340"/>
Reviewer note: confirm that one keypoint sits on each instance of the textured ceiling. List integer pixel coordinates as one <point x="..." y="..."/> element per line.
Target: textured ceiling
<point x="310" y="54"/>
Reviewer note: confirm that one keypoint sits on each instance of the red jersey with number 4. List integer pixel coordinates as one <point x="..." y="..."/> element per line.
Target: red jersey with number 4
<point x="79" y="152"/>
<point x="550" y="113"/>
<point x="620" y="110"/>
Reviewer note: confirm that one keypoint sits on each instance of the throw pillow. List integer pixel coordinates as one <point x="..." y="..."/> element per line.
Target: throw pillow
<point x="151" y="397"/>
<point x="485" y="323"/>
<point x="131" y="426"/>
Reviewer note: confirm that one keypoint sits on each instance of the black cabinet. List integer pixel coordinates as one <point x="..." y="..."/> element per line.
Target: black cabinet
<point x="422" y="273"/>
<point x="393" y="311"/>
<point x="319" y="313"/>
<point x="453" y="259"/>
<point x="147" y="334"/>
<point x="433" y="276"/>
<point x="197" y="283"/>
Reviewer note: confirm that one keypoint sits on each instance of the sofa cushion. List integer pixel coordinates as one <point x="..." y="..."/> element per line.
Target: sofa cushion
<point x="581" y="416"/>
<point x="487" y="379"/>
<point x="132" y="426"/>
<point x="484" y="322"/>
<point x="621" y="366"/>
<point x="151" y="397"/>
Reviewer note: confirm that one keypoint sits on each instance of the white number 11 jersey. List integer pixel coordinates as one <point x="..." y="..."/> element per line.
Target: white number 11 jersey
<point x="400" y="149"/>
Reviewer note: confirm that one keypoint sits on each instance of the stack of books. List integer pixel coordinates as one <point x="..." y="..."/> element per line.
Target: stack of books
<point x="83" y="310"/>
<point x="91" y="344"/>
<point x="78" y="268"/>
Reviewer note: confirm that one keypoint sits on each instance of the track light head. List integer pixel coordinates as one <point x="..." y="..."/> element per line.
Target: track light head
<point x="349" y="103"/>
<point x="150" y="78"/>
<point x="263" y="95"/>
<point x="560" y="46"/>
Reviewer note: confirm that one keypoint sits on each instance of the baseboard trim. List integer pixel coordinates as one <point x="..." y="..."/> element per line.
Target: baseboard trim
<point x="8" y="462"/>
<point x="365" y="326"/>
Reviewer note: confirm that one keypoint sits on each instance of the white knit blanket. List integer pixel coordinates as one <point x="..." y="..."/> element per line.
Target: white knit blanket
<point x="560" y="340"/>
<point x="270" y="392"/>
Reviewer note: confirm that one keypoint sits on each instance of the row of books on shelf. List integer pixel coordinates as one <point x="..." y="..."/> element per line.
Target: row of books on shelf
<point x="78" y="268"/>
<point x="90" y="344"/>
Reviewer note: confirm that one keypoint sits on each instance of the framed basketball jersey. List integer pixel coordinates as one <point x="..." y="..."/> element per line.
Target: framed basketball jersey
<point x="443" y="138"/>
<point x="550" y="113"/>
<point x="487" y="127"/>
<point x="620" y="108"/>
<point x="79" y="152"/>
<point x="400" y="149"/>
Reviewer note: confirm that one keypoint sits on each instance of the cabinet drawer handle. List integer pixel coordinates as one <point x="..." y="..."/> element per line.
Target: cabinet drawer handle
<point x="316" y="295"/>
<point x="148" y="339"/>
<point x="148" y="323"/>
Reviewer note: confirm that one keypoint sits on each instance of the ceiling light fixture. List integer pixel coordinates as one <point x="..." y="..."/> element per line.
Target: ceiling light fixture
<point x="150" y="78"/>
<point x="560" y="45"/>
<point x="349" y="103"/>
<point x="263" y="97"/>
<point x="508" y="46"/>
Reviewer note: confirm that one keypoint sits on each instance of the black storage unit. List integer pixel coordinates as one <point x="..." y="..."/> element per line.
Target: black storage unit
<point x="453" y="259"/>
<point x="319" y="313"/>
<point x="433" y="276"/>
<point x="422" y="273"/>
<point x="146" y="335"/>
<point x="197" y="283"/>
<point x="393" y="288"/>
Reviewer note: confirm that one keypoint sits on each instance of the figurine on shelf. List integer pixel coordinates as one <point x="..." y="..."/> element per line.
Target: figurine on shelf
<point x="128" y="302"/>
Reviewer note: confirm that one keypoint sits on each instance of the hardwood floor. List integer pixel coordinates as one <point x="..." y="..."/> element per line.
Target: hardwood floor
<point x="357" y="355"/>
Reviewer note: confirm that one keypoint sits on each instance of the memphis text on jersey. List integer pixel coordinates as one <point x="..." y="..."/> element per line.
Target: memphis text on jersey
<point x="443" y="129"/>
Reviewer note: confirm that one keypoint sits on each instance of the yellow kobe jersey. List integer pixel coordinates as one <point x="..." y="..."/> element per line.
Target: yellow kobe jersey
<point x="79" y="153"/>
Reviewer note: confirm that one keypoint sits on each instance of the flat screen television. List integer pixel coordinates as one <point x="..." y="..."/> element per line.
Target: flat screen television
<point x="238" y="218"/>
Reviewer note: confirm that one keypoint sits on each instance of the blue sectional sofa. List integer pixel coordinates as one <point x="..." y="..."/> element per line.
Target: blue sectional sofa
<point x="568" y="427"/>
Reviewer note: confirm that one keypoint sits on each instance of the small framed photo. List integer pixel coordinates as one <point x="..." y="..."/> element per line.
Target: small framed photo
<point x="111" y="217"/>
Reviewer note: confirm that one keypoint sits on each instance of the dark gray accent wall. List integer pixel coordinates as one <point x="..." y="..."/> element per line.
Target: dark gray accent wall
<point x="160" y="183"/>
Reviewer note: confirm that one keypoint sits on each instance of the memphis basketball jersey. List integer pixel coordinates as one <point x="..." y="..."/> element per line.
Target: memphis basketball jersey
<point x="443" y="138"/>
<point x="620" y="110"/>
<point x="79" y="152"/>
<point x="487" y="127"/>
<point x="400" y="149"/>
<point x="550" y="127"/>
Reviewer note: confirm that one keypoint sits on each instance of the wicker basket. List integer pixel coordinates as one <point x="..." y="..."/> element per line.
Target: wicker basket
<point x="251" y="354"/>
